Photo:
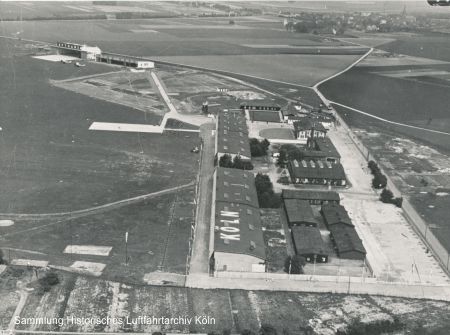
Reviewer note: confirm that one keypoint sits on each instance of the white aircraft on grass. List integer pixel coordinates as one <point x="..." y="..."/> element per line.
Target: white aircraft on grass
<point x="78" y="64"/>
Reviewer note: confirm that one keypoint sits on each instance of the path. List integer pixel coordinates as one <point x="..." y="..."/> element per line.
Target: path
<point x="200" y="248"/>
<point x="19" y="307"/>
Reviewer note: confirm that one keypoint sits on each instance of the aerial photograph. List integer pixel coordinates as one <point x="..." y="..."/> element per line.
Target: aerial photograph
<point x="223" y="167"/>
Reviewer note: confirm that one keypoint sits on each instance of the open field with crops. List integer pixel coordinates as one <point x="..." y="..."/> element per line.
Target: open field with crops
<point x="296" y="69"/>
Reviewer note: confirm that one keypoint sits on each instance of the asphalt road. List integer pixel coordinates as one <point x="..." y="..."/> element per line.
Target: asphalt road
<point x="199" y="259"/>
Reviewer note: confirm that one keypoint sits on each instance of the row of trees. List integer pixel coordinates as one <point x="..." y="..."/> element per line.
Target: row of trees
<point x="236" y="163"/>
<point x="379" y="181"/>
<point x="267" y="198"/>
<point x="258" y="148"/>
<point x="388" y="197"/>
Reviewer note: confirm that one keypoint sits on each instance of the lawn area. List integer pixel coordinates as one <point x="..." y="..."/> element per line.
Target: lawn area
<point x="52" y="162"/>
<point x="158" y="235"/>
<point x="277" y="133"/>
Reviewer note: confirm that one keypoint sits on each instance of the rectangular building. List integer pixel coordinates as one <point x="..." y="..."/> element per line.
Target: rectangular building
<point x="308" y="243"/>
<point x="318" y="173"/>
<point x="314" y="197"/>
<point x="347" y="243"/>
<point x="335" y="214"/>
<point x="238" y="238"/>
<point x="232" y="136"/>
<point x="299" y="212"/>
<point x="260" y="105"/>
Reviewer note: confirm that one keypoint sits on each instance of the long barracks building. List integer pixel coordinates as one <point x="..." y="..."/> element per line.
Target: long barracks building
<point x="232" y="135"/>
<point x="236" y="238"/>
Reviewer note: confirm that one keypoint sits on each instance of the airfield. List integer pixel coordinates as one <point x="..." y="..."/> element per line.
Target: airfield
<point x="120" y="204"/>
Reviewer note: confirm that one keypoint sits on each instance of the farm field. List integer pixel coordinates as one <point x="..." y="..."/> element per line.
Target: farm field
<point x="296" y="69"/>
<point x="235" y="310"/>
<point x="431" y="45"/>
<point x="180" y="36"/>
<point x="52" y="162"/>
<point x="395" y="99"/>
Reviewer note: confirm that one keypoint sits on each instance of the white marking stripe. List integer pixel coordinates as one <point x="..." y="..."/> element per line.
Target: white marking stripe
<point x="88" y="250"/>
<point x="126" y="127"/>
<point x="30" y="262"/>
<point x="89" y="266"/>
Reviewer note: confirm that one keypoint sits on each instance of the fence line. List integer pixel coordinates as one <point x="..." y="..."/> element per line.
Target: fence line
<point x="416" y="221"/>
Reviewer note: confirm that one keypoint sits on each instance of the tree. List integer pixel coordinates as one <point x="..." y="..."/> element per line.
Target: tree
<point x="294" y="264"/>
<point x="2" y="258"/>
<point x="248" y="332"/>
<point x="226" y="161"/>
<point x="50" y="279"/>
<point x="379" y="181"/>
<point x="282" y="158"/>
<point x="258" y="148"/>
<point x="386" y="196"/>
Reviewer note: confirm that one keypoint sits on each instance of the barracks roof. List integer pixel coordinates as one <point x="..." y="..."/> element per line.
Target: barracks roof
<point x="309" y="169"/>
<point x="327" y="147"/>
<point x="238" y="230"/>
<point x="308" y="240"/>
<point x="346" y="239"/>
<point x="299" y="211"/>
<point x="232" y="142"/>
<point x="334" y="214"/>
<point x="236" y="186"/>
<point x="310" y="195"/>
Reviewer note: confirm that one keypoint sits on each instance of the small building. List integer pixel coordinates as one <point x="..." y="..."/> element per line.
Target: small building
<point x="238" y="238"/>
<point x="307" y="128"/>
<point x="260" y="105"/>
<point x="308" y="243"/>
<point x="313" y="197"/>
<point x="299" y="212"/>
<point x="318" y="173"/>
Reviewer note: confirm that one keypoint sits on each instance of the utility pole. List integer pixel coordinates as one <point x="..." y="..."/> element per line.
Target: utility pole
<point x="126" y="248"/>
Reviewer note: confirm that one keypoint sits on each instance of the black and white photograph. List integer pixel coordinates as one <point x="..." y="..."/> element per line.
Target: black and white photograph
<point x="220" y="167"/>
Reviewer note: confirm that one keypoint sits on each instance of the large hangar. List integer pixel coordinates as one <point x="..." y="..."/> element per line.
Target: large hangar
<point x="236" y="238"/>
